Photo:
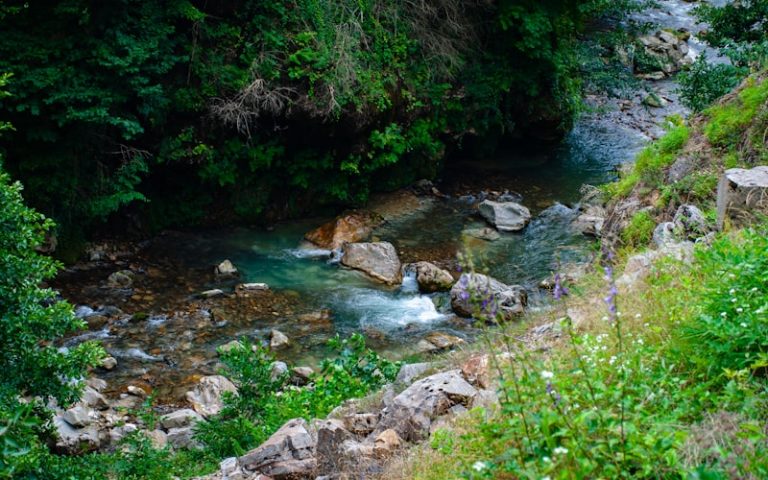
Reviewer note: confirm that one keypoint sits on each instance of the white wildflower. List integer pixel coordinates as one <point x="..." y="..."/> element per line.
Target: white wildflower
<point x="637" y="315"/>
<point x="546" y="374"/>
<point x="560" y="451"/>
<point x="743" y="325"/>
<point x="479" y="466"/>
<point x="739" y="310"/>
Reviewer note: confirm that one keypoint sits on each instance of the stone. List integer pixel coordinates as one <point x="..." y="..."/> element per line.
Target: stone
<point x="331" y="435"/>
<point x="425" y="347"/>
<point x="278" y="339"/>
<point x="356" y="450"/>
<point x="468" y="294"/>
<point x="590" y="221"/>
<point x="288" y="453"/>
<point x="505" y="216"/>
<point x="413" y="411"/>
<point x="444" y="341"/>
<point x="386" y="443"/>
<point x="136" y="391"/>
<point x="78" y="440"/>
<point x="96" y="321"/>
<point x="96" y="383"/>
<point x="741" y="194"/>
<point x="361" y="423"/>
<point x="207" y="396"/>
<point x="690" y="222"/>
<point x="79" y="416"/>
<point x="378" y="260"/>
<point x="215" y="292"/>
<point x="484" y="233"/>
<point x="681" y="168"/>
<point x="477" y="370"/>
<point x="277" y="370"/>
<point x="108" y="363"/>
<point x="118" y="433"/>
<point x="226" y="269"/>
<point x="183" y="437"/>
<point x="411" y="371"/>
<point x="654" y="100"/>
<point x="185" y="417"/>
<point x="664" y="234"/>
<point x="349" y="228"/>
<point x="252" y="287"/>
<point x="431" y="278"/>
<point x="302" y="375"/>
<point x="121" y="279"/>
<point x="94" y="399"/>
<point x="158" y="438"/>
<point x="229" y="346"/>
<point x="670" y="52"/>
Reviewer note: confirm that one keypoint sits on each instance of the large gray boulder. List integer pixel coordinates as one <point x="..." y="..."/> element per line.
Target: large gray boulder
<point x="412" y="412"/>
<point x="505" y="216"/>
<point x="288" y="453"/>
<point x="379" y="260"/>
<point x="477" y="293"/>
<point x="741" y="194"/>
<point x="207" y="397"/>
<point x="431" y="278"/>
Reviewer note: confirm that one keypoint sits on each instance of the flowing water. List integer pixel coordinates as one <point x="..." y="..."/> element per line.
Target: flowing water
<point x="313" y="298"/>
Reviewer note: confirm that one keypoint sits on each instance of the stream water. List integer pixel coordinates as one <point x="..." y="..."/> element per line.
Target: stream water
<point x="312" y="298"/>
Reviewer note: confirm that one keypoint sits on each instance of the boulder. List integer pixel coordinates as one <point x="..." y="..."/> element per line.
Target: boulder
<point x="302" y="375"/>
<point x="410" y="371"/>
<point x="667" y="50"/>
<point x="505" y="216"/>
<point x="207" y="396"/>
<point x="477" y="370"/>
<point x="349" y="228"/>
<point x="278" y="339"/>
<point x="182" y="437"/>
<point x="79" y="416"/>
<point x="590" y="221"/>
<point x="438" y="341"/>
<point x="379" y="260"/>
<point x="94" y="399"/>
<point x="690" y="222"/>
<point x="277" y="370"/>
<point x="361" y="423"/>
<point x="78" y="440"/>
<point x="664" y="234"/>
<point x="288" y="453"/>
<point x="118" y="433"/>
<point x="412" y="412"/>
<point x="386" y="443"/>
<point x="226" y="269"/>
<point x="430" y="277"/>
<point x="158" y="438"/>
<point x="741" y="194"/>
<point x="180" y="418"/>
<point x="475" y="291"/>
<point x="331" y="435"/>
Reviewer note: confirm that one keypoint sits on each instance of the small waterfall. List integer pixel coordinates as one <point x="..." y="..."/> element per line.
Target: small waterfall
<point x="410" y="284"/>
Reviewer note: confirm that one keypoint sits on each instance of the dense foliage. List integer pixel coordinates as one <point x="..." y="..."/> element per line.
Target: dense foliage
<point x="266" y="400"/>
<point x="168" y="111"/>
<point x="667" y="381"/>
<point x="739" y="30"/>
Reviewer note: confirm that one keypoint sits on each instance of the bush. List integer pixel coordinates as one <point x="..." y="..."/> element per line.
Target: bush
<point x="639" y="231"/>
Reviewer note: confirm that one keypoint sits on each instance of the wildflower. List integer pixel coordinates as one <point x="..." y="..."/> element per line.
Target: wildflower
<point x="560" y="451"/>
<point x="743" y="325"/>
<point x="732" y="291"/>
<point x="637" y="315"/>
<point x="479" y="466"/>
<point x="559" y="290"/>
<point x="546" y="460"/>
<point x="546" y="374"/>
<point x="723" y="314"/>
<point x="733" y="300"/>
<point x="754" y="289"/>
<point x="605" y="318"/>
<point x="739" y="310"/>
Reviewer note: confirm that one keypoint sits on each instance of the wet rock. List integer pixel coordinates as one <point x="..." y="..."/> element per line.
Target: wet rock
<point x="654" y="100"/>
<point x="477" y="370"/>
<point x="94" y="399"/>
<point x="288" y="453"/>
<point x="278" y="339"/>
<point x="477" y="292"/>
<point x="669" y="52"/>
<point x="96" y="322"/>
<point x="387" y="443"/>
<point x="349" y="228"/>
<point x="431" y="278"/>
<point x="229" y="346"/>
<point x="321" y="318"/>
<point x="590" y="221"/>
<point x="183" y="437"/>
<point x="108" y="363"/>
<point x="246" y="289"/>
<point x="121" y="279"/>
<point x="379" y="260"/>
<point x="411" y="371"/>
<point x="207" y="396"/>
<point x="741" y="195"/>
<point x="413" y="411"/>
<point x="505" y="216"/>
<point x="438" y="341"/>
<point x="690" y="222"/>
<point x="226" y="269"/>
<point x="484" y="233"/>
<point x="180" y="418"/>
<point x="97" y="384"/>
<point x="79" y="416"/>
<point x="361" y="423"/>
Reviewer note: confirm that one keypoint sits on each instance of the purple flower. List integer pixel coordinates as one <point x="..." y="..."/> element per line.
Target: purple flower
<point x="560" y="290"/>
<point x="552" y="393"/>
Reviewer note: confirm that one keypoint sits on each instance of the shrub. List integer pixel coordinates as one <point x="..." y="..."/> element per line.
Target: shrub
<point x="639" y="231"/>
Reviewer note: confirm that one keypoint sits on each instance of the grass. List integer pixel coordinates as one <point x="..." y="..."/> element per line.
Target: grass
<point x="639" y="231"/>
<point x="727" y="121"/>
<point x="670" y="384"/>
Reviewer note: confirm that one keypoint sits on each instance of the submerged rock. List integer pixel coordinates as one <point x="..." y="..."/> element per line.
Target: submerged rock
<point x="476" y="293"/>
<point x="121" y="279"/>
<point x="484" y="233"/>
<point x="379" y="260"/>
<point x="349" y="228"/>
<point x="431" y="278"/>
<point x="505" y="216"/>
